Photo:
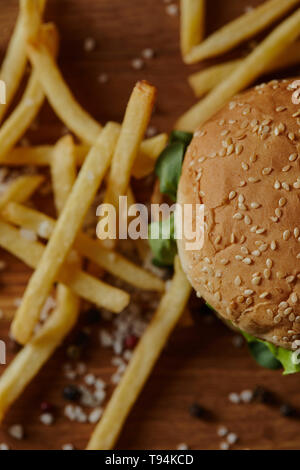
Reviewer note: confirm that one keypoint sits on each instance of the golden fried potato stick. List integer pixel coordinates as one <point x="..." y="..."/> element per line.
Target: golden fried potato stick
<point x="150" y="150"/>
<point x="60" y="96"/>
<point x="40" y="155"/>
<point x="240" y="29"/>
<point x="204" y="81"/>
<point x="251" y="68"/>
<point x="65" y="232"/>
<point x="20" y="189"/>
<point x="27" y="109"/>
<point x="63" y="171"/>
<point x="136" y="120"/>
<point x="142" y="246"/>
<point x="95" y="291"/>
<point x="14" y="63"/>
<point x="27" y="363"/>
<point x="142" y="362"/>
<point x="110" y="261"/>
<point x="192" y="24"/>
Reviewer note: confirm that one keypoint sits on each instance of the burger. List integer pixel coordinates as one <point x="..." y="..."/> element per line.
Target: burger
<point x="244" y="166"/>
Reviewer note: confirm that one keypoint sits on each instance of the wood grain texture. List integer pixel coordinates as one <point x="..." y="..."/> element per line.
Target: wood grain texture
<point x="199" y="363"/>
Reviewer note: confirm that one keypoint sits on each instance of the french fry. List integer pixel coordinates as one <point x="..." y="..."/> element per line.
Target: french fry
<point x="149" y="152"/>
<point x="13" y="66"/>
<point x="110" y="261"/>
<point x="40" y="155"/>
<point x="142" y="246"/>
<point x="84" y="285"/>
<point x="63" y="171"/>
<point x="60" y="96"/>
<point x="27" y="363"/>
<point x="27" y="109"/>
<point x="21" y="189"/>
<point x="192" y="23"/>
<point x="141" y="364"/>
<point x="204" y="81"/>
<point x="251" y="68"/>
<point x="66" y="229"/>
<point x="240" y="29"/>
<point x="135" y="122"/>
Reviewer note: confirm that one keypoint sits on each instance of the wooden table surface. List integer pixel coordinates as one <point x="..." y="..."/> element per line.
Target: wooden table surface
<point x="200" y="363"/>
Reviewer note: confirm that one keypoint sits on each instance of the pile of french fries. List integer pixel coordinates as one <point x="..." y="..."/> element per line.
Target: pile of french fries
<point x="106" y="156"/>
<point x="221" y="82"/>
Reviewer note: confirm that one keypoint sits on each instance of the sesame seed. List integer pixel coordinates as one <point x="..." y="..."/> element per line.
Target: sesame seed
<point x="286" y="168"/>
<point x="277" y="184"/>
<point x="267" y="273"/>
<point x="293" y="157"/>
<point x="247" y="220"/>
<point x="285" y="186"/>
<point x="294" y="298"/>
<point x="246" y="396"/>
<point x="238" y="216"/>
<point x="232" y="195"/>
<point x="237" y="281"/>
<point x="255" y="205"/>
<point x="256" y="281"/>
<point x="248" y="292"/>
<point x="273" y="245"/>
<point x="247" y="260"/>
<point x="286" y="235"/>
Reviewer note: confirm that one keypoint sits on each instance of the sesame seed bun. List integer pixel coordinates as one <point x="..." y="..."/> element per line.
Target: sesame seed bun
<point x="243" y="165"/>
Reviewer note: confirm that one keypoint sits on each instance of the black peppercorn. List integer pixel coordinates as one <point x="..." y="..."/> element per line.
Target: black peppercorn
<point x="287" y="410"/>
<point x="196" y="410"/>
<point x="72" y="393"/>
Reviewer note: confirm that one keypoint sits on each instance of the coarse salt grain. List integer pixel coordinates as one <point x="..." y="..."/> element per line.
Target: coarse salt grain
<point x="232" y="438"/>
<point x="224" y="446"/>
<point x="246" y="396"/>
<point x="67" y="447"/>
<point x="234" y="398"/>
<point x="28" y="235"/>
<point x="95" y="415"/>
<point x="148" y="53"/>
<point x="16" y="431"/>
<point x="172" y="9"/>
<point x="44" y="229"/>
<point x="47" y="419"/>
<point x="89" y="44"/>
<point x="222" y="431"/>
<point x="137" y="63"/>
<point x="103" y="78"/>
<point x="182" y="446"/>
<point x="4" y="446"/>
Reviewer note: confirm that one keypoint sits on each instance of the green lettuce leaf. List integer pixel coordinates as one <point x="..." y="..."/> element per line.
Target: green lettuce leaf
<point x="164" y="247"/>
<point x="270" y="356"/>
<point x="169" y="164"/>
